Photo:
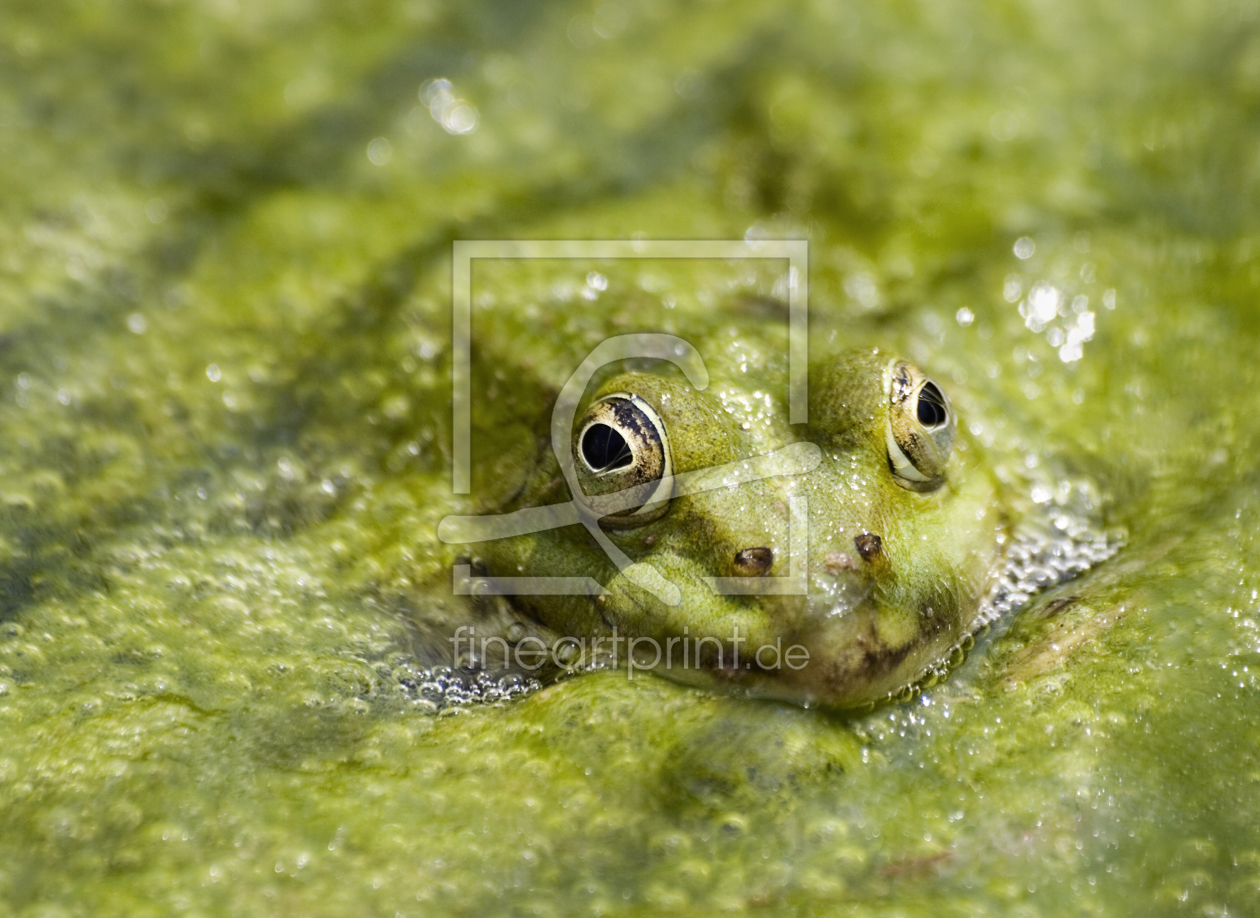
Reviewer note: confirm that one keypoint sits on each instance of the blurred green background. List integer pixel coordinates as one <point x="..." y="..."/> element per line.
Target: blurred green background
<point x="225" y="236"/>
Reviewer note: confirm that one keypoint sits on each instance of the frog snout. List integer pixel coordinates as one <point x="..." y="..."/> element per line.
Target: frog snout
<point x="846" y="577"/>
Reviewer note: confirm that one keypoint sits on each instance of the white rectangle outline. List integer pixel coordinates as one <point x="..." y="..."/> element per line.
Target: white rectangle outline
<point x="795" y="251"/>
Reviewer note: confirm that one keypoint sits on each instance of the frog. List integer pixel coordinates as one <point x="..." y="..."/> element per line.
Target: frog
<point x="688" y="528"/>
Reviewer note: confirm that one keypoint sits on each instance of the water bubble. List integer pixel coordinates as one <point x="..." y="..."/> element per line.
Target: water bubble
<point x="460" y="118"/>
<point x="581" y="32"/>
<point x="442" y="690"/>
<point x="610" y="19"/>
<point x="862" y="288"/>
<point x="1040" y="559"/>
<point x="1024" y="248"/>
<point x="432" y="89"/>
<point x="213" y="373"/>
<point x="924" y="163"/>
<point x="156" y="210"/>
<point x="1004" y="126"/>
<point x="964" y="317"/>
<point x="380" y="151"/>
<point x="1078" y="333"/>
<point x="1042" y="305"/>
<point x="1012" y="288"/>
<point x="454" y="114"/>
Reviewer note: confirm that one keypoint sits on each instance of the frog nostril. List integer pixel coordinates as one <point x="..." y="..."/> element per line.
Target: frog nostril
<point x="753" y="562"/>
<point x="869" y="546"/>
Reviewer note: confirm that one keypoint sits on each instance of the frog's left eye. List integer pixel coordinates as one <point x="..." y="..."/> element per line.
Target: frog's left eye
<point x="621" y="444"/>
<point x="921" y="428"/>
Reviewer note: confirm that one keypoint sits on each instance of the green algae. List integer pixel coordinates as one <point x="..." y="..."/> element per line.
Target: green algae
<point x="224" y="397"/>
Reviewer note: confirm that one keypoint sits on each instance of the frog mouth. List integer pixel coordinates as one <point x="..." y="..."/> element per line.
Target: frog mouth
<point x="832" y="598"/>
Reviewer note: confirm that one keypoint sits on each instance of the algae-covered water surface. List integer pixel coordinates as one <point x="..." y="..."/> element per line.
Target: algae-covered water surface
<point x="225" y="396"/>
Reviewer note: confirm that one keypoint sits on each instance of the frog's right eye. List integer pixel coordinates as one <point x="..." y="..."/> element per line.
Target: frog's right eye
<point x="624" y="470"/>
<point x="921" y="427"/>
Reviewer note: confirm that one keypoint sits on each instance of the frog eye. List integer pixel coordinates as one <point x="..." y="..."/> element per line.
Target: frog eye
<point x="921" y="428"/>
<point x="621" y="444"/>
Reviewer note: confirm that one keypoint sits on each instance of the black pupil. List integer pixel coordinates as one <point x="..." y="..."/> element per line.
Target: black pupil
<point x="931" y="406"/>
<point x="604" y="449"/>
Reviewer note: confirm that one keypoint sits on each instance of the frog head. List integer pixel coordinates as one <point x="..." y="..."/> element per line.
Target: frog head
<point x="836" y="581"/>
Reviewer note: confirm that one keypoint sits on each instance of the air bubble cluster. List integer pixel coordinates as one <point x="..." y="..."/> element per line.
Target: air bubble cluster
<point x="1040" y="560"/>
<point x="1037" y="560"/>
<point x="440" y="688"/>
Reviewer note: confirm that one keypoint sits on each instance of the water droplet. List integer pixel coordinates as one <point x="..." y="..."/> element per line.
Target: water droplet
<point x="1012" y="288"/>
<point x="380" y="151"/>
<point x="156" y="210"/>
<point x="460" y="118"/>
<point x="1004" y="126"/>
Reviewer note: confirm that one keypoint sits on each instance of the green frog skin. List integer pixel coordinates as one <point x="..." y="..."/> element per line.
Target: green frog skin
<point x="903" y="527"/>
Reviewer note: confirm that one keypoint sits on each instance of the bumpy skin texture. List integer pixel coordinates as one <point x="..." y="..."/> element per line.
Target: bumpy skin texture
<point x="877" y="612"/>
